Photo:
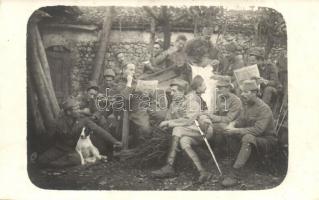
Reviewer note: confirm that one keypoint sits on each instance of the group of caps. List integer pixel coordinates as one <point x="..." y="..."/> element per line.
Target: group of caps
<point x="225" y="81"/>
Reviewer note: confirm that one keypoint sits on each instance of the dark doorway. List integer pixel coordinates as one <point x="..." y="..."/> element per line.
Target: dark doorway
<point x="60" y="68"/>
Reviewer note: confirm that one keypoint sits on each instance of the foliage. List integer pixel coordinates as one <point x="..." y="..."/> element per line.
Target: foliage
<point x="271" y="28"/>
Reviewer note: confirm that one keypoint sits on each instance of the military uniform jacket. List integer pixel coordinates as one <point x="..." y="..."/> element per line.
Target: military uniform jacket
<point x="269" y="72"/>
<point x="228" y="109"/>
<point x="185" y="111"/>
<point x="256" y="119"/>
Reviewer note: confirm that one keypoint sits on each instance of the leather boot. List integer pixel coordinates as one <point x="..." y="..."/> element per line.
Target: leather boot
<point x="168" y="169"/>
<point x="243" y="155"/>
<point x="203" y="174"/>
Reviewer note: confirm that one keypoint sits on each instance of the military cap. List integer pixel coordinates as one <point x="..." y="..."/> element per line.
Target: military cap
<point x="223" y="81"/>
<point x="249" y="85"/>
<point x="109" y="72"/>
<point x="93" y="85"/>
<point x="232" y="47"/>
<point x="256" y="51"/>
<point x="69" y="103"/>
<point x="181" y="37"/>
<point x="179" y="82"/>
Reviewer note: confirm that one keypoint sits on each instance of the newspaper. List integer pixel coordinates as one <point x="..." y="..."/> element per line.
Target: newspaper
<point x="147" y="86"/>
<point x="246" y="73"/>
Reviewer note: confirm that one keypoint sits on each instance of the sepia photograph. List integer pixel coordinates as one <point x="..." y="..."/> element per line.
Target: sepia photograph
<point x="157" y="98"/>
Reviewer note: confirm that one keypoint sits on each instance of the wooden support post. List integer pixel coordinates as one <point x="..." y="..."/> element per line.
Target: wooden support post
<point x="47" y="74"/>
<point x="38" y="78"/>
<point x="125" y="130"/>
<point x="104" y="41"/>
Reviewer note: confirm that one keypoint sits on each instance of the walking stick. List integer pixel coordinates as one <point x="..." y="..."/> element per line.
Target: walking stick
<point x="208" y="146"/>
<point x="278" y="119"/>
<point x="282" y="120"/>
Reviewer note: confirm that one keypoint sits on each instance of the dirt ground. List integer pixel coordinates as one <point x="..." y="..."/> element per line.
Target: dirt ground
<point x="121" y="175"/>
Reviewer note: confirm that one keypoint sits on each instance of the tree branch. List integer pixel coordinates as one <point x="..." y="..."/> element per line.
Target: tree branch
<point x="151" y="13"/>
<point x="180" y="17"/>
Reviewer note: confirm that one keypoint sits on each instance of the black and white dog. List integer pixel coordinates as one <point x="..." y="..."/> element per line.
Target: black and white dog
<point x="87" y="151"/>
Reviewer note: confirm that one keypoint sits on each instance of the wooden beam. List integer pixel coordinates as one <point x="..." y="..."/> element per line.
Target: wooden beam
<point x="72" y="26"/>
<point x="38" y="77"/>
<point x="104" y="41"/>
<point x="47" y="75"/>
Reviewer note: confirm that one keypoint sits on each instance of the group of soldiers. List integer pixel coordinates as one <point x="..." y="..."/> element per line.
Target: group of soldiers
<point x="243" y="115"/>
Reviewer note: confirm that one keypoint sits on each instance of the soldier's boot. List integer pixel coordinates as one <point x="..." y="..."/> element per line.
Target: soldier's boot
<point x="168" y="170"/>
<point x="203" y="174"/>
<point x="233" y="178"/>
<point x="243" y="155"/>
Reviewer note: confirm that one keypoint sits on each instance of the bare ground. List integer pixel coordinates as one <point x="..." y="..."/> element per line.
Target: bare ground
<point x="121" y="175"/>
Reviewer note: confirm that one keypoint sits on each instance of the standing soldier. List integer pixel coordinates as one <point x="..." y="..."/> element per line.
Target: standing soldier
<point x="254" y="127"/>
<point x="180" y="117"/>
<point x="269" y="83"/>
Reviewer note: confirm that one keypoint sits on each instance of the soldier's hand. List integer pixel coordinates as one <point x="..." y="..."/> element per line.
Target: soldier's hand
<point x="230" y="130"/>
<point x="118" y="145"/>
<point x="215" y="62"/>
<point x="163" y="124"/>
<point x="265" y="81"/>
<point x="215" y="118"/>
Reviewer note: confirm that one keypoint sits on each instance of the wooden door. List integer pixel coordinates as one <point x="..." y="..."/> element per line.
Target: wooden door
<point x="59" y="62"/>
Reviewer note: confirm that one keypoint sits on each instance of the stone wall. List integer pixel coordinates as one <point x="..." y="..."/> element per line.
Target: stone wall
<point x="83" y="46"/>
<point x="85" y="54"/>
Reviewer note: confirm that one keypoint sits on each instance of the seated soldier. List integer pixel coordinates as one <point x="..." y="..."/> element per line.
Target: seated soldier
<point x="156" y="61"/>
<point x="228" y="107"/>
<point x="67" y="132"/>
<point x="158" y="58"/>
<point x="91" y="108"/>
<point x="268" y="80"/>
<point x="108" y="80"/>
<point x="253" y="128"/>
<point x="180" y="117"/>
<point x="88" y="105"/>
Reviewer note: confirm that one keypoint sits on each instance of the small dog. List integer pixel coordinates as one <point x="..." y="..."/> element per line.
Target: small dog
<point x="87" y="151"/>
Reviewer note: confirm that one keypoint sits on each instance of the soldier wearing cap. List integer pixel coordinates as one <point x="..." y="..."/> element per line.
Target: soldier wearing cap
<point x="67" y="131"/>
<point x="269" y="82"/>
<point x="254" y="127"/>
<point x="228" y="107"/>
<point x="234" y="58"/>
<point x="158" y="59"/>
<point x="108" y="79"/>
<point x="180" y="118"/>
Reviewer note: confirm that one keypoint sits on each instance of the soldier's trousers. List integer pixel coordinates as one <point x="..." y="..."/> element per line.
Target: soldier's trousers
<point x="56" y="157"/>
<point x="263" y="145"/>
<point x="188" y="136"/>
